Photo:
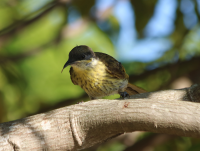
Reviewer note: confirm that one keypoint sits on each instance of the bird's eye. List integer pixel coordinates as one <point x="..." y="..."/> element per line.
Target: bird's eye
<point x="83" y="56"/>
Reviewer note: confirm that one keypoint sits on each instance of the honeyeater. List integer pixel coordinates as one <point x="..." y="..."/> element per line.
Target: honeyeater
<point x="99" y="74"/>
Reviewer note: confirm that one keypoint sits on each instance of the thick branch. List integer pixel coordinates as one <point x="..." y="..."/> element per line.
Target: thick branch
<point x="83" y="125"/>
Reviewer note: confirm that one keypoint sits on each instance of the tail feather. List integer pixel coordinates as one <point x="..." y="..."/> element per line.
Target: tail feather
<point x="133" y="89"/>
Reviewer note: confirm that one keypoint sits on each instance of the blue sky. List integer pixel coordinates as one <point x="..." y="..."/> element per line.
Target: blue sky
<point x="155" y="43"/>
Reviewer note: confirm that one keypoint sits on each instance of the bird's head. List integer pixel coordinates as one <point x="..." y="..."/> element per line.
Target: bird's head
<point x="80" y="56"/>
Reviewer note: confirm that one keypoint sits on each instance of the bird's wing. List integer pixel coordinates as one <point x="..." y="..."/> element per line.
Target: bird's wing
<point x="73" y="76"/>
<point x="133" y="89"/>
<point x="114" y="67"/>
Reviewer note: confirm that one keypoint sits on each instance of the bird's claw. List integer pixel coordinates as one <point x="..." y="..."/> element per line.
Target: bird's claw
<point x="123" y="95"/>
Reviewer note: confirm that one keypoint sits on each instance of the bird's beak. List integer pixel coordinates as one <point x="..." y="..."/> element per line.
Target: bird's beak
<point x="66" y="64"/>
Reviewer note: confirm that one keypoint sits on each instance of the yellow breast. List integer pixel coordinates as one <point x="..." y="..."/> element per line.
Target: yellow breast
<point x="92" y="76"/>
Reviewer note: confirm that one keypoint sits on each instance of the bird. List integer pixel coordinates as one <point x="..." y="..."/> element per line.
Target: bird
<point x="99" y="74"/>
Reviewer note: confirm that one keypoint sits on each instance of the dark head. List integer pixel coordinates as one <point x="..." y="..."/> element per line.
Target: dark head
<point x="79" y="53"/>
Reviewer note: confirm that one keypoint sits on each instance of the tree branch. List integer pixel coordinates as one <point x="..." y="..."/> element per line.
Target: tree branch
<point x="176" y="70"/>
<point x="84" y="125"/>
<point x="24" y="22"/>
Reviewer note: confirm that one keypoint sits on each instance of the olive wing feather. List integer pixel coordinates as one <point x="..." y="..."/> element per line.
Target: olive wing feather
<point x="113" y="66"/>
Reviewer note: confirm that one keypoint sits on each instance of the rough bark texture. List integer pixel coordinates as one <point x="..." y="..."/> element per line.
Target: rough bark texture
<point x="83" y="125"/>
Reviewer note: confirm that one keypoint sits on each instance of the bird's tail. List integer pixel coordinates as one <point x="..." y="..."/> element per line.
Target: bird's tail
<point x="133" y="89"/>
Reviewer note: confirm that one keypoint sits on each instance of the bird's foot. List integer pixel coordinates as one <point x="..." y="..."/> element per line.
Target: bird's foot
<point x="124" y="94"/>
<point x="80" y="102"/>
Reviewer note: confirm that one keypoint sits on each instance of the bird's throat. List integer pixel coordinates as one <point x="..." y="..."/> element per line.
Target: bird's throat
<point x="89" y="68"/>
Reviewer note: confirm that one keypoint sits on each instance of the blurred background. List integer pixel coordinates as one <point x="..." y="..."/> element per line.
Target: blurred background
<point x="157" y="41"/>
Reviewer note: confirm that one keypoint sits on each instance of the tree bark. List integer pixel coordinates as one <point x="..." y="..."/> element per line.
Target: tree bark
<point x="83" y="125"/>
